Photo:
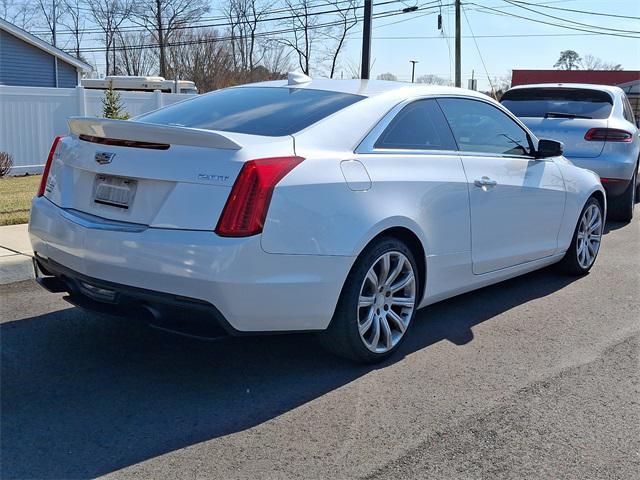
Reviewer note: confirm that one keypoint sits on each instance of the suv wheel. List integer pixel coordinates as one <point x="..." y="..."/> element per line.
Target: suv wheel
<point x="622" y="207"/>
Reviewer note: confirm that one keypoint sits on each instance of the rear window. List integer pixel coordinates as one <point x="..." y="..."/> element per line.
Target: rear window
<point x="254" y="110"/>
<point x="558" y="103"/>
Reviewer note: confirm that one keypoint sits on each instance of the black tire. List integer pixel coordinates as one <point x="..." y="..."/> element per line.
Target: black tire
<point x="342" y="337"/>
<point x="621" y="207"/>
<point x="570" y="263"/>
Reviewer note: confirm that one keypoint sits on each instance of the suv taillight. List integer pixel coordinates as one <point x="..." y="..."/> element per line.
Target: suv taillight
<point x="47" y="166"/>
<point x="246" y="208"/>
<point x="608" y="135"/>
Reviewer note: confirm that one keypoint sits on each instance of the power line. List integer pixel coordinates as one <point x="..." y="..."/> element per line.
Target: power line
<point x="356" y="33"/>
<point x="443" y="34"/>
<point x="500" y="12"/>
<point x="505" y="7"/>
<point x="585" y="12"/>
<point x="569" y="21"/>
<point x="222" y="17"/>
<point x="226" y="23"/>
<point x="197" y="23"/>
<point x="507" y="35"/>
<point x="385" y="14"/>
<point x="479" y="52"/>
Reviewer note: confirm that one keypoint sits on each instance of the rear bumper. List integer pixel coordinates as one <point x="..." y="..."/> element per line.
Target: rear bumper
<point x="606" y="167"/>
<point x="182" y="314"/>
<point x="617" y="170"/>
<point x="615" y="186"/>
<point x="251" y="290"/>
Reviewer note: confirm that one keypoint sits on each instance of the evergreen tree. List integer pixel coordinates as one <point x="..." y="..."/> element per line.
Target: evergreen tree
<point x="569" y="60"/>
<point x="112" y="105"/>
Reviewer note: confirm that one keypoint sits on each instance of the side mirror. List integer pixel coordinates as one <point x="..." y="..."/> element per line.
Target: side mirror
<point x="549" y="148"/>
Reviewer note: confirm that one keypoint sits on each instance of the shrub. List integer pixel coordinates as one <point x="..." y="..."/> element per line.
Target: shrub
<point x="112" y="105"/>
<point x="6" y="162"/>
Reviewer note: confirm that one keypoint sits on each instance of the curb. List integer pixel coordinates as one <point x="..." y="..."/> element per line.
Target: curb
<point x="15" y="267"/>
<point x="15" y="254"/>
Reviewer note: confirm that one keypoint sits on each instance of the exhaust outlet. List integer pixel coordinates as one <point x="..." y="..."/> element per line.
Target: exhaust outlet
<point x="172" y="320"/>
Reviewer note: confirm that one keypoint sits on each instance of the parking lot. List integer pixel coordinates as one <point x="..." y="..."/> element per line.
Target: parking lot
<point x="537" y="377"/>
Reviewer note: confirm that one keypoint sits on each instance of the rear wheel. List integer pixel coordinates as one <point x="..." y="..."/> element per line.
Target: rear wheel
<point x="377" y="303"/>
<point x="621" y="207"/>
<point x="585" y="245"/>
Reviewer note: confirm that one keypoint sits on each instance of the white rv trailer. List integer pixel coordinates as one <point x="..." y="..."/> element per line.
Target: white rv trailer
<point x="140" y="84"/>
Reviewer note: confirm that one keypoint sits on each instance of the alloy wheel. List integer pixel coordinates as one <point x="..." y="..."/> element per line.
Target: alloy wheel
<point x="387" y="301"/>
<point x="589" y="236"/>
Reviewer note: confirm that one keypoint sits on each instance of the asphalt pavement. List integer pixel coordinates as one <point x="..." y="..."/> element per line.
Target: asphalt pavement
<point x="536" y="377"/>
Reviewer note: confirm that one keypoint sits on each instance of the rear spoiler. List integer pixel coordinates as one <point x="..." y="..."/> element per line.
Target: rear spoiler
<point x="150" y="133"/>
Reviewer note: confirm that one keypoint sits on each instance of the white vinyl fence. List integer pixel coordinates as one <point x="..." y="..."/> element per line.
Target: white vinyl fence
<point x="30" y="117"/>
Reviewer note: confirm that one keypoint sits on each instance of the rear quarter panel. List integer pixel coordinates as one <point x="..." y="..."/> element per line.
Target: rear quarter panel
<point x="313" y="210"/>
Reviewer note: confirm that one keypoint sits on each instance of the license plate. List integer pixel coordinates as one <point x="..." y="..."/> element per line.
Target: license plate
<point x="114" y="191"/>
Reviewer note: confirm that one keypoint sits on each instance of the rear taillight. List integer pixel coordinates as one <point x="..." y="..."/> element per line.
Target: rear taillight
<point x="608" y="135"/>
<point x="47" y="166"/>
<point x="246" y="208"/>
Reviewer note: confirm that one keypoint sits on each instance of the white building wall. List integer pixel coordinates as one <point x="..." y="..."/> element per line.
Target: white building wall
<point x="30" y="117"/>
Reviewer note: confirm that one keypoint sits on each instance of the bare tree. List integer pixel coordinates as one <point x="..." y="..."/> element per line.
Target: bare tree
<point x="276" y="58"/>
<point x="244" y="17"/>
<point x="352" y="68"/>
<point x="202" y="57"/>
<point x="305" y="31"/>
<point x="52" y="12"/>
<point x="499" y="85"/>
<point x="347" y="19"/>
<point x="590" y="62"/>
<point x="162" y="18"/>
<point x="387" y="76"/>
<point x="109" y="15"/>
<point x="74" y="21"/>
<point x="19" y="13"/>
<point x="131" y="59"/>
<point x="431" y="79"/>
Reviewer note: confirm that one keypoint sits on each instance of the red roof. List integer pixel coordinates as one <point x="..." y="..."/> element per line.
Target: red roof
<point x="598" y="77"/>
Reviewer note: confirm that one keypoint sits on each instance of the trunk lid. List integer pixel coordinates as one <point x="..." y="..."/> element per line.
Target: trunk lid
<point x="162" y="176"/>
<point x="569" y="131"/>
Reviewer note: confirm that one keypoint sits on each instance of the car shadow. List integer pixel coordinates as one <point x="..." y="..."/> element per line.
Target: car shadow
<point x="612" y="225"/>
<point x="83" y="395"/>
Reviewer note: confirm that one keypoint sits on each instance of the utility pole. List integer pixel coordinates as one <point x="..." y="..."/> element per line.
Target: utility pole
<point x="366" y="36"/>
<point x="413" y="69"/>
<point x="53" y="38"/>
<point x="366" y="40"/>
<point x="163" y="61"/>
<point x="458" y="47"/>
<point x="53" y="21"/>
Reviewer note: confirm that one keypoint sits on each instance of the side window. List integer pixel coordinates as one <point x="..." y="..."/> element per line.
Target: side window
<point x="480" y="127"/>
<point x="418" y="126"/>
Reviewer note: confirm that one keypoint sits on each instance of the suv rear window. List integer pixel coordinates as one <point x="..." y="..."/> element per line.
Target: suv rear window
<point x="270" y="111"/>
<point x="558" y="103"/>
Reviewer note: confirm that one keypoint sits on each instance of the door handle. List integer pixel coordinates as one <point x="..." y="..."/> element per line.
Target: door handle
<point x="484" y="183"/>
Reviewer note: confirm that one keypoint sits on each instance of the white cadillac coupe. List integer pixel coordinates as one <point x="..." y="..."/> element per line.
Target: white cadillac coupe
<point x="308" y="205"/>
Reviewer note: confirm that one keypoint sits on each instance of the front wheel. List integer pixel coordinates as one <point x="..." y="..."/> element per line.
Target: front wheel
<point x="377" y="303"/>
<point x="587" y="237"/>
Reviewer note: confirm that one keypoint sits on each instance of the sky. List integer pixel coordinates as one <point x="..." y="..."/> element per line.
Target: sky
<point x="415" y="36"/>
<point x="503" y="54"/>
